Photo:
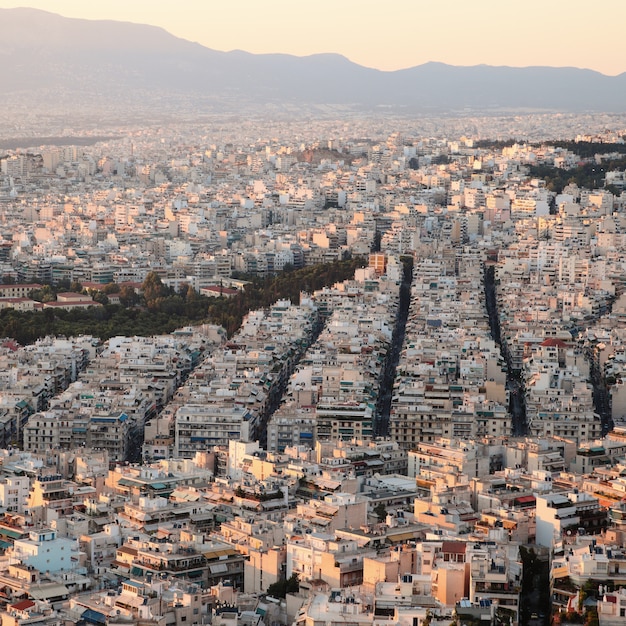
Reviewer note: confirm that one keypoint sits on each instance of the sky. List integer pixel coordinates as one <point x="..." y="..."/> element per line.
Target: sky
<point x="387" y="34"/>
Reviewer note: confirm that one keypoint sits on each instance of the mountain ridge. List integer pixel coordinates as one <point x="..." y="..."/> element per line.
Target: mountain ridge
<point x="105" y="60"/>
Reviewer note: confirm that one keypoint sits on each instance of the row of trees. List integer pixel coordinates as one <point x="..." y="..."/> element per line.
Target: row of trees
<point x="160" y="310"/>
<point x="588" y="149"/>
<point x="103" y="322"/>
<point x="260" y="293"/>
<point x="589" y="175"/>
<point x="584" y="149"/>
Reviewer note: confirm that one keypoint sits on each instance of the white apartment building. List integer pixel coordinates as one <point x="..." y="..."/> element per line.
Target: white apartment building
<point x="200" y="427"/>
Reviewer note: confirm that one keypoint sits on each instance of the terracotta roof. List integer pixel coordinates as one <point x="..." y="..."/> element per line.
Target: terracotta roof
<point x="453" y="547"/>
<point x="23" y="605"/>
<point x="558" y="343"/>
<point x="525" y="500"/>
<point x="71" y="303"/>
<point x="16" y="300"/>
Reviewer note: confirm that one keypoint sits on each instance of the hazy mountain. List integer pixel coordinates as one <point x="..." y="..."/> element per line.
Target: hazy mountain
<point x="49" y="58"/>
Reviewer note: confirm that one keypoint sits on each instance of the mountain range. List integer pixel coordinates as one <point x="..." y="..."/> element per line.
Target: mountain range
<point x="47" y="59"/>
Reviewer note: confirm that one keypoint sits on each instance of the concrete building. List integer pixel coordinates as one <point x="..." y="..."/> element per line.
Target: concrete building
<point x="45" y="551"/>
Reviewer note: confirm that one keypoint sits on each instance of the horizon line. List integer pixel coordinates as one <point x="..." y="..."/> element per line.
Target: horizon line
<point x="321" y="53"/>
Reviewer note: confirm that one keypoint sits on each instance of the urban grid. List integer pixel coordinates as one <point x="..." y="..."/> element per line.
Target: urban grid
<point x="355" y="372"/>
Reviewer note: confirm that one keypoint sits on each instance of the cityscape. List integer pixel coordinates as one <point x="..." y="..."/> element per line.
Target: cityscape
<point x="310" y="363"/>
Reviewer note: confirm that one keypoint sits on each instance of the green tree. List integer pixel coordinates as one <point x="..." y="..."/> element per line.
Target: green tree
<point x="293" y="583"/>
<point x="111" y="288"/>
<point x="187" y="292"/>
<point x="45" y="294"/>
<point x="153" y="288"/>
<point x="380" y="511"/>
<point x="128" y="296"/>
<point x="281" y="588"/>
<point x="100" y="297"/>
<point x="591" y="618"/>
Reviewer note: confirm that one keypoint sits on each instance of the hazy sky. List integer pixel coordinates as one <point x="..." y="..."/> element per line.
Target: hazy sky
<point x="389" y="34"/>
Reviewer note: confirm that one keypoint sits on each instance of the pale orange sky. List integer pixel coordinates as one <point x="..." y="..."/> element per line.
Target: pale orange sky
<point x="386" y="35"/>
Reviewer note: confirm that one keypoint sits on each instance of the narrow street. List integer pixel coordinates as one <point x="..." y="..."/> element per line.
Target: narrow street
<point x="383" y="407"/>
<point x="514" y="383"/>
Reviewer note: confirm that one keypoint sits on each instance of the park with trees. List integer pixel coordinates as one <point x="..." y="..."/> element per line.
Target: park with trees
<point x="158" y="309"/>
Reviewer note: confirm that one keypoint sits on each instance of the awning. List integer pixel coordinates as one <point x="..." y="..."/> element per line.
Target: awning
<point x="45" y="592"/>
<point x="94" y="617"/>
<point x="401" y="536"/>
<point x="11" y="533"/>
<point x="218" y="568"/>
<point x="127" y="482"/>
<point x="219" y="552"/>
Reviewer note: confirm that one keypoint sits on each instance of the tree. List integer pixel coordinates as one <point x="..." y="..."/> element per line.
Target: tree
<point x="153" y="288"/>
<point x="128" y="296"/>
<point x="187" y="292"/>
<point x="100" y="297"/>
<point x="111" y="288"/>
<point x="45" y="294"/>
<point x="293" y="583"/>
<point x="380" y="511"/>
<point x="281" y="588"/>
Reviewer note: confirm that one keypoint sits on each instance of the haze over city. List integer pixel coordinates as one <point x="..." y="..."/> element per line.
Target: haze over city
<point x="395" y="35"/>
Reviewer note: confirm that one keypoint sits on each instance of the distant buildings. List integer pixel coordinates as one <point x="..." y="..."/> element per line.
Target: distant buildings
<point x="179" y="479"/>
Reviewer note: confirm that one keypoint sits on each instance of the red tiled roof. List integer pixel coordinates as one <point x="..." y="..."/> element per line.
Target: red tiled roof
<point x="525" y="500"/>
<point x="453" y="547"/>
<point x="557" y="343"/>
<point x="74" y="303"/>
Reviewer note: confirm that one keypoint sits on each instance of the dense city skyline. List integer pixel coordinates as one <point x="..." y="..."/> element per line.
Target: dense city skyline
<point x="293" y="342"/>
<point x="402" y="36"/>
<point x="407" y="432"/>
